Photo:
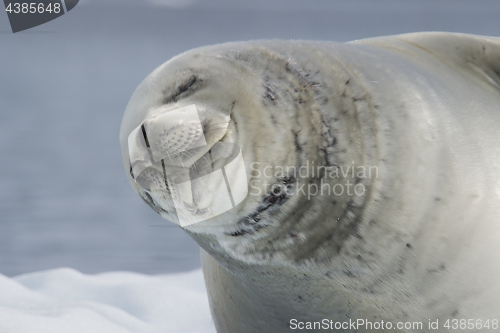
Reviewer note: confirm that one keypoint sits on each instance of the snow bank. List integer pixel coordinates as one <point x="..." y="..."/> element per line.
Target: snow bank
<point x="67" y="301"/>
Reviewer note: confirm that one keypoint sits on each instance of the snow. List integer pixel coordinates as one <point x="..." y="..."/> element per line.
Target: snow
<point x="65" y="300"/>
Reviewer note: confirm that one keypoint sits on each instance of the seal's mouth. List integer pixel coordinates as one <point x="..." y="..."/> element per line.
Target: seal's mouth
<point x="173" y="157"/>
<point x="268" y="207"/>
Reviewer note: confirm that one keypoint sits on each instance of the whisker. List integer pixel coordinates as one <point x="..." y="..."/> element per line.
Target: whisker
<point x="189" y="155"/>
<point x="212" y="125"/>
<point x="170" y="158"/>
<point x="222" y="122"/>
<point x="179" y="159"/>
<point x="184" y="152"/>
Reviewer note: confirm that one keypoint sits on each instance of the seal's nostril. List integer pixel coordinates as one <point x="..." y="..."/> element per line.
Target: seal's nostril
<point x="151" y="179"/>
<point x="148" y="199"/>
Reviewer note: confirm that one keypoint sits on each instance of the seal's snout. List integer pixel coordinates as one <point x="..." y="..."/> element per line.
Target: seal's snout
<point x="172" y="154"/>
<point x="167" y="138"/>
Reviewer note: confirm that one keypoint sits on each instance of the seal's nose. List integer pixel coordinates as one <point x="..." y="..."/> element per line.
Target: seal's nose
<point x="168" y="138"/>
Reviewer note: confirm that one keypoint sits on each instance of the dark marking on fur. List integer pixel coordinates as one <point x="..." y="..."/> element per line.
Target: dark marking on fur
<point x="232" y="118"/>
<point x="273" y="119"/>
<point x="270" y="93"/>
<point x="238" y="233"/>
<point x="441" y="267"/>
<point x="349" y="273"/>
<point x="348" y="225"/>
<point x="298" y="147"/>
<point x="359" y="99"/>
<point x="185" y="88"/>
<point x="304" y="76"/>
<point x="329" y="140"/>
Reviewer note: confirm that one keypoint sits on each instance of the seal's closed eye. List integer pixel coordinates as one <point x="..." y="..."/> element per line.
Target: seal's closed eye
<point x="184" y="89"/>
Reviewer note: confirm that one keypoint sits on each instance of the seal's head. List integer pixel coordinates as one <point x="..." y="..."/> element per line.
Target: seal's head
<point x="240" y="144"/>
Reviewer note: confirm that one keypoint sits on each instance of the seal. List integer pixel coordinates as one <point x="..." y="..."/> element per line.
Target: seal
<point x="371" y="179"/>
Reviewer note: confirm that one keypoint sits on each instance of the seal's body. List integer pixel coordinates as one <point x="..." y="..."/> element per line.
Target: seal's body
<point x="374" y="179"/>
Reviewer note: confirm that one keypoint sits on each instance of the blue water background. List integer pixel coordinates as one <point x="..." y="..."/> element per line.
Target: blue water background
<point x="64" y="196"/>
